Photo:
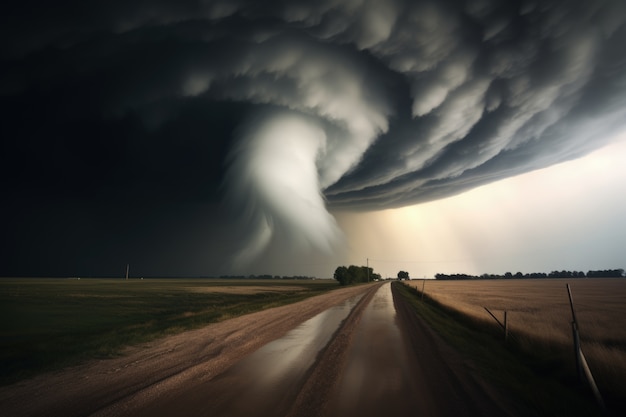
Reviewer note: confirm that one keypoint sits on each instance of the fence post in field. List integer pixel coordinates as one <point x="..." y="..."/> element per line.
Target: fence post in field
<point x="506" y="328"/>
<point x="575" y="335"/>
<point x="581" y="363"/>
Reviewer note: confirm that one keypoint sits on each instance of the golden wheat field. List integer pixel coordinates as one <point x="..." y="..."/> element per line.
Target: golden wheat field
<point x="538" y="312"/>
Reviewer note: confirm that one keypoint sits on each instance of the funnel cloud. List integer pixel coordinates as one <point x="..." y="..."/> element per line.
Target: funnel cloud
<point x="270" y="114"/>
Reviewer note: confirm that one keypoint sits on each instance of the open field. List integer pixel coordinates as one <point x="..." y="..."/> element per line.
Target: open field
<point x="341" y="352"/>
<point x="539" y="318"/>
<point x="51" y="323"/>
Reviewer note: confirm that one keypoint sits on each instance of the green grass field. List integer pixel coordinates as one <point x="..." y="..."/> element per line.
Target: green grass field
<point x="50" y="323"/>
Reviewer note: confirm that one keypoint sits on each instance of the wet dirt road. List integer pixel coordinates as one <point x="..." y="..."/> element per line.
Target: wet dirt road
<point x="264" y="383"/>
<point x="378" y="377"/>
<point x="357" y="351"/>
<point x="372" y="371"/>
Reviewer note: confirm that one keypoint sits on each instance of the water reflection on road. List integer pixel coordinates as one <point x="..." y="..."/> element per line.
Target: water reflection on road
<point x="256" y="385"/>
<point x="373" y="378"/>
<point x="377" y="379"/>
<point x="382" y="363"/>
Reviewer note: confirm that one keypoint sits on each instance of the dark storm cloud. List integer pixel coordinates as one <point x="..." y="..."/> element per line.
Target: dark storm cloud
<point x="281" y="108"/>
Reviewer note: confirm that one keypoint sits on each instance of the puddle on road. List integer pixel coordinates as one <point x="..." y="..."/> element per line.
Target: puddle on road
<point x="296" y="351"/>
<point x="377" y="379"/>
<point x="276" y="370"/>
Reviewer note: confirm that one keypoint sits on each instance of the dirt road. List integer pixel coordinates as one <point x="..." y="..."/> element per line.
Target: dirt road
<point x="355" y="351"/>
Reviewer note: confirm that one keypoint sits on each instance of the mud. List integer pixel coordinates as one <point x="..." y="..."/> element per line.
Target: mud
<point x="355" y="351"/>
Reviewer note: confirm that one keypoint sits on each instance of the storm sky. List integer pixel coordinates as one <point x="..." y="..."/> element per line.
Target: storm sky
<point x="289" y="137"/>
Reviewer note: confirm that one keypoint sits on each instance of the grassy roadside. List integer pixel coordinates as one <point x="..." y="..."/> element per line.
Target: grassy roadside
<point x="537" y="382"/>
<point x="48" y="324"/>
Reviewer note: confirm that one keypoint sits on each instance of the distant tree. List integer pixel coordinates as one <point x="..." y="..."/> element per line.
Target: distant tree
<point x="403" y="275"/>
<point x="354" y="274"/>
<point x="341" y="275"/>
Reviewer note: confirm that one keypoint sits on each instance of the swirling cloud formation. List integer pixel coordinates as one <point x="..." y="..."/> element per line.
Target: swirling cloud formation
<point x="283" y="108"/>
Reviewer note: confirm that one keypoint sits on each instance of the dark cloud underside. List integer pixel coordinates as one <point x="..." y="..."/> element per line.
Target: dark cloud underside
<point x="355" y="104"/>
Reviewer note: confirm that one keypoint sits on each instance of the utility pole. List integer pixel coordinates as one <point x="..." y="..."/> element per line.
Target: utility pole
<point x="127" y="268"/>
<point x="368" y="269"/>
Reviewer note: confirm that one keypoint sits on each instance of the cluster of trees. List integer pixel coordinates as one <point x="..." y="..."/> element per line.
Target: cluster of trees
<point x="606" y="273"/>
<point x="455" y="276"/>
<point x="403" y="275"/>
<point x="355" y="274"/>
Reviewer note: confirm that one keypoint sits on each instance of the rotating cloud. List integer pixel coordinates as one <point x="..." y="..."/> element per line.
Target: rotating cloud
<point x="359" y="104"/>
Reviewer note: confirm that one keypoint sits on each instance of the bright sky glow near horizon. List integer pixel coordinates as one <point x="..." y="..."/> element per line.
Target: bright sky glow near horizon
<point x="242" y="137"/>
<point x="568" y="216"/>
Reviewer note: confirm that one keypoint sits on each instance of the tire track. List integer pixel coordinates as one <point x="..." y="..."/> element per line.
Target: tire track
<point x="323" y="376"/>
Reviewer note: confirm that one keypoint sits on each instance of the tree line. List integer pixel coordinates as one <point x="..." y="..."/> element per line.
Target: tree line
<point x="355" y="274"/>
<point x="605" y="273"/>
<point x="265" y="276"/>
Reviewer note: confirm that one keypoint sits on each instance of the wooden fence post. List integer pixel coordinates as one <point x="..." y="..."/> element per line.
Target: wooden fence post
<point x="506" y="328"/>
<point x="581" y="362"/>
<point x="576" y="337"/>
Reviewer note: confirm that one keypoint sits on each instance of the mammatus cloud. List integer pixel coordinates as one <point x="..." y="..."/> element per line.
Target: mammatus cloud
<point x="359" y="104"/>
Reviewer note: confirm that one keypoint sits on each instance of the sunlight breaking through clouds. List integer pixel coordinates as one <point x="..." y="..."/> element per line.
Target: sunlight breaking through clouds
<point x="360" y="104"/>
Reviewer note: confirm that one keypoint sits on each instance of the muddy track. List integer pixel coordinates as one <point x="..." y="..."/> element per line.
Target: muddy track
<point x="322" y="378"/>
<point x="452" y="383"/>
<point x="381" y="359"/>
<point x="119" y="386"/>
